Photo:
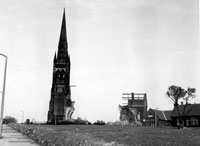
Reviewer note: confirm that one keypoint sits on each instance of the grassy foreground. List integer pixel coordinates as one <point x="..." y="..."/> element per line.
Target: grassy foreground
<point x="84" y="135"/>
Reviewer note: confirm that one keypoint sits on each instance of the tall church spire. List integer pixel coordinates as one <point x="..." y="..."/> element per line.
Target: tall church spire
<point x="63" y="35"/>
<point x="61" y="106"/>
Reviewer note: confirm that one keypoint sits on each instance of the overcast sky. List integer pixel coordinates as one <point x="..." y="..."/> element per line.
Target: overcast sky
<point x="116" y="46"/>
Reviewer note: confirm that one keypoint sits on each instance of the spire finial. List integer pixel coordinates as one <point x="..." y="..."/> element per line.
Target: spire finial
<point x="63" y="34"/>
<point x="64" y="13"/>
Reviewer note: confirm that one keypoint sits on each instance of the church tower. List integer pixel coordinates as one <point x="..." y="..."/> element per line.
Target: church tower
<point x="60" y="106"/>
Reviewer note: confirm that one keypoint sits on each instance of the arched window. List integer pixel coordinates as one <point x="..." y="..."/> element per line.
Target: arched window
<point x="58" y="75"/>
<point x="63" y="74"/>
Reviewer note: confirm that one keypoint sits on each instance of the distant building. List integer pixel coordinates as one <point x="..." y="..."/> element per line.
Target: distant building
<point x="60" y="106"/>
<point x="191" y="115"/>
<point x="158" y="117"/>
<point x="135" y="110"/>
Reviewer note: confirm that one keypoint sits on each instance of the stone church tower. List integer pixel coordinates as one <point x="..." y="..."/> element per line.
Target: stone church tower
<point x="60" y="106"/>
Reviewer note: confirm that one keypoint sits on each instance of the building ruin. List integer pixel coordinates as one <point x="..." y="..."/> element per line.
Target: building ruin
<point x="133" y="112"/>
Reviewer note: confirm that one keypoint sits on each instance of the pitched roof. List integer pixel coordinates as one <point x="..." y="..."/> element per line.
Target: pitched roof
<point x="168" y="114"/>
<point x="190" y="110"/>
<point x="162" y="115"/>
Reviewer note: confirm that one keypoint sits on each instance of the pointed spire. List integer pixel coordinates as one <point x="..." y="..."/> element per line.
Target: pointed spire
<point x="63" y="34"/>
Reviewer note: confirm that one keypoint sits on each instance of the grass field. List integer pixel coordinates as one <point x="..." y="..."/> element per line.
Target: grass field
<point x="64" y="135"/>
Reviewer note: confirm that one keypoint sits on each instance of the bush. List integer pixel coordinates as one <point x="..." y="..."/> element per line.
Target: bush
<point x="80" y="121"/>
<point x="9" y="119"/>
<point x="99" y="122"/>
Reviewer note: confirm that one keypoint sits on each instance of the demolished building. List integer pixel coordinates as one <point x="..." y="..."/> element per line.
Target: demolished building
<point x="133" y="112"/>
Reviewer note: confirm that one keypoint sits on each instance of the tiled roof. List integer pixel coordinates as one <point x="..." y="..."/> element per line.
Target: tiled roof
<point x="168" y="114"/>
<point x="191" y="110"/>
<point x="162" y="115"/>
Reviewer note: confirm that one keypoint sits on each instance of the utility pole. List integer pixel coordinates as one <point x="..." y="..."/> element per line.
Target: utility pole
<point x="55" y="114"/>
<point x="55" y="119"/>
<point x="3" y="96"/>
<point x="155" y="118"/>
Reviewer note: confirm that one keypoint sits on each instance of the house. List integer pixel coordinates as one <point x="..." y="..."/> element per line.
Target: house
<point x="158" y="118"/>
<point x="190" y="115"/>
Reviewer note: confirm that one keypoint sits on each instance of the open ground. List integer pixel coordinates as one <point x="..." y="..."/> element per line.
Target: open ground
<point x="116" y="135"/>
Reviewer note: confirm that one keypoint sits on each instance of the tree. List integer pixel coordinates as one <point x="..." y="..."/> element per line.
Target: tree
<point x="190" y="93"/>
<point x="9" y="119"/>
<point x="176" y="93"/>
